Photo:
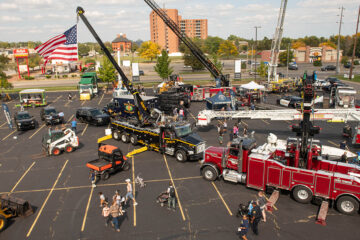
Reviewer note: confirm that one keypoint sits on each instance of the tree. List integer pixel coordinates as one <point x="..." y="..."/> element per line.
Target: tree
<point x="162" y="66"/>
<point x="212" y="44"/>
<point x="329" y="44"/>
<point x="83" y="49"/>
<point x="227" y="49"/>
<point x="190" y="59"/>
<point x="134" y="47"/>
<point x="107" y="71"/>
<point x="283" y="56"/>
<point x="149" y="50"/>
<point x="264" y="44"/>
<point x="4" y="83"/>
<point x="217" y="63"/>
<point x="34" y="60"/>
<point x="297" y="44"/>
<point x="262" y="70"/>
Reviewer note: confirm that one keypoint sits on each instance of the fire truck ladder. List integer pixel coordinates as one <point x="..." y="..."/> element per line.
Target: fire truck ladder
<point x="143" y="112"/>
<point x="275" y="45"/>
<point x="195" y="50"/>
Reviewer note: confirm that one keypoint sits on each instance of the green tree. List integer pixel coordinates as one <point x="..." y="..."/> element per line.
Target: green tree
<point x="344" y="59"/>
<point x="262" y="70"/>
<point x="34" y="60"/>
<point x="83" y="49"/>
<point x="162" y="66"/>
<point x="4" y="83"/>
<point x="264" y="44"/>
<point x="149" y="50"/>
<point x="212" y="44"/>
<point x="134" y="47"/>
<point x="227" y="49"/>
<point x="283" y="56"/>
<point x="107" y="71"/>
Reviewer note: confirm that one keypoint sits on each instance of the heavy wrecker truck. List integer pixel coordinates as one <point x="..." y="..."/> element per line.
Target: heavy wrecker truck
<point x="175" y="138"/>
<point x="300" y="168"/>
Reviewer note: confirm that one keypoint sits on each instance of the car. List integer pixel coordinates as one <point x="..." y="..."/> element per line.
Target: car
<point x="24" y="121"/>
<point x="290" y="101"/>
<point x="92" y="116"/>
<point x="293" y="66"/>
<point x="348" y="65"/>
<point x="51" y="116"/>
<point x="49" y="72"/>
<point x="141" y="73"/>
<point x="332" y="80"/>
<point x="328" y="68"/>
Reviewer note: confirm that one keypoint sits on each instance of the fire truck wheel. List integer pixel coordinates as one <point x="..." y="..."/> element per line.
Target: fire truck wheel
<point x="126" y="166"/>
<point x="347" y="205"/>
<point x="209" y="173"/>
<point x="116" y="135"/>
<point x="124" y="137"/>
<point x="69" y="148"/>
<point x="105" y="175"/>
<point x="180" y="156"/>
<point x="302" y="194"/>
<point x="133" y="139"/>
<point x="56" y="151"/>
<point x="3" y="222"/>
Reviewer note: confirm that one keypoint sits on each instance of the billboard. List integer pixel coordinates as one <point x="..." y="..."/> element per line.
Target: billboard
<point x="237" y="66"/>
<point x="21" y="53"/>
<point x="135" y="69"/>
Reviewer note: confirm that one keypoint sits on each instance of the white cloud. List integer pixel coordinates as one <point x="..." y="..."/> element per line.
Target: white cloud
<point x="328" y="3"/>
<point x="225" y="7"/>
<point x="8" y="6"/>
<point x="10" y="19"/>
<point x="258" y="8"/>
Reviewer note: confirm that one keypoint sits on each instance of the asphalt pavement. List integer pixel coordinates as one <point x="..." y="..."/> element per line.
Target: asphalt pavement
<point x="67" y="207"/>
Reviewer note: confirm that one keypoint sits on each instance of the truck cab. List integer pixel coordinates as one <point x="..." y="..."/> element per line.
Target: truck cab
<point x="88" y="86"/>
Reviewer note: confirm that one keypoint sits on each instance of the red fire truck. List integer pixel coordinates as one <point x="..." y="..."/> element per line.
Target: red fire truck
<point x="201" y="93"/>
<point x="300" y="168"/>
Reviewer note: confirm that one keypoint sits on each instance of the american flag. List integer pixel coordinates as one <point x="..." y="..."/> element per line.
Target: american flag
<point x="61" y="47"/>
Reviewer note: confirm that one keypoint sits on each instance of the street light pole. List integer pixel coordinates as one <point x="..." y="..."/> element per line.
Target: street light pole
<point x="338" y="45"/>
<point x="287" y="65"/>
<point x="256" y="28"/>
<point x="355" y="41"/>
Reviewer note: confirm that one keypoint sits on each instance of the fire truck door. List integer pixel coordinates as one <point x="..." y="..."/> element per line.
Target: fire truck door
<point x="322" y="185"/>
<point x="256" y="174"/>
<point x="273" y="176"/>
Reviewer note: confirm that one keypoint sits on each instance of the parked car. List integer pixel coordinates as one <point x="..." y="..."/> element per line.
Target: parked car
<point x="92" y="116"/>
<point x="141" y="73"/>
<point x="290" y="101"/>
<point x="24" y="121"/>
<point x="328" y="68"/>
<point x="293" y="66"/>
<point x="332" y="80"/>
<point x="51" y="116"/>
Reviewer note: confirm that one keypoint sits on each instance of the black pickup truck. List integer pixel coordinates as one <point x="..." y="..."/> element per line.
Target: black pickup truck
<point x="24" y="121"/>
<point x="51" y="116"/>
<point x="92" y="116"/>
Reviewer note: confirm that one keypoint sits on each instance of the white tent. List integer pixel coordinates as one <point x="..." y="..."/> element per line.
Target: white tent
<point x="252" y="86"/>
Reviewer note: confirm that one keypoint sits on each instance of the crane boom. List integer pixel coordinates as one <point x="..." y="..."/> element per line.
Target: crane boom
<point x="143" y="111"/>
<point x="275" y="45"/>
<point x="195" y="50"/>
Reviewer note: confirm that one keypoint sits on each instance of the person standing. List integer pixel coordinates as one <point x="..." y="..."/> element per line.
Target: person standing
<point x="69" y="97"/>
<point x="262" y="204"/>
<point x="115" y="212"/>
<point x="235" y="131"/>
<point x="129" y="192"/>
<point x="255" y="217"/>
<point x="181" y="114"/>
<point x="344" y="158"/>
<point x="244" y="227"/>
<point x="245" y="132"/>
<point x="102" y="199"/>
<point x="73" y="125"/>
<point x="172" y="197"/>
<point x="106" y="214"/>
<point x="92" y="177"/>
<point x="175" y="113"/>
<point x="221" y="134"/>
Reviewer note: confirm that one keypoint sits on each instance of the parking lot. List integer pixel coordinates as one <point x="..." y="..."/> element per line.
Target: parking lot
<point x="67" y="207"/>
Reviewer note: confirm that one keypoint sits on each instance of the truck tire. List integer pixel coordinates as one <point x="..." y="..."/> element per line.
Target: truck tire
<point x="105" y="175"/>
<point x="124" y="137"/>
<point x="3" y="222"/>
<point x="133" y="139"/>
<point x="347" y="205"/>
<point x="180" y="156"/>
<point x="302" y="194"/>
<point x="126" y="166"/>
<point x="56" y="151"/>
<point x="209" y="173"/>
<point x="116" y="135"/>
<point x="69" y="148"/>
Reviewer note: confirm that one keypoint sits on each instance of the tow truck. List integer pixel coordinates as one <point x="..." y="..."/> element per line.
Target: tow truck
<point x="300" y="167"/>
<point x="174" y="138"/>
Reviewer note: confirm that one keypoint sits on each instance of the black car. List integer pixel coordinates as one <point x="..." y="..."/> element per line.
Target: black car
<point x="24" y="121"/>
<point x="51" y="116"/>
<point x="92" y="116"/>
<point x="141" y="73"/>
<point x="290" y="101"/>
<point x="348" y="65"/>
<point x="332" y="80"/>
<point x="328" y="68"/>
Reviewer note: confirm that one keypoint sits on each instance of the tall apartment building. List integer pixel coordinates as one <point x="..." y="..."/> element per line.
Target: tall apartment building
<point x="165" y="37"/>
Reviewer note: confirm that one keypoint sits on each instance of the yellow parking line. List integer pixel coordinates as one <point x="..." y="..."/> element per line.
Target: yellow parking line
<point x="57" y="99"/>
<point x="47" y="198"/>
<point x="82" y="104"/>
<point x="265" y="121"/>
<point x="3" y="124"/>
<point x="84" y="129"/>
<point x="70" y="118"/>
<point x="37" y="131"/>
<point x="22" y="177"/>
<point x="87" y="209"/>
<point x="101" y="99"/>
<point x="222" y="199"/>
<point x="336" y="145"/>
<point x="133" y="181"/>
<point x="9" y="135"/>
<point x="176" y="193"/>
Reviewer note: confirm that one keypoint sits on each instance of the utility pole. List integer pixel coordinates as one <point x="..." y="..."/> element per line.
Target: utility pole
<point x="256" y="28"/>
<point x="338" y="45"/>
<point x="287" y="65"/>
<point x="355" y="41"/>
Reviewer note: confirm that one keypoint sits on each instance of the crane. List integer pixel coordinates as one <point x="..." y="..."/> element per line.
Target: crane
<point x="220" y="79"/>
<point x="143" y="113"/>
<point x="275" y="45"/>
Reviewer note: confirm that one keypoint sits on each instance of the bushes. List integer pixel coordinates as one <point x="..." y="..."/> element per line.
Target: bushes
<point x="65" y="76"/>
<point x="356" y="62"/>
<point x="243" y="65"/>
<point x="28" y="77"/>
<point x="73" y="75"/>
<point x="48" y="76"/>
<point x="317" y="63"/>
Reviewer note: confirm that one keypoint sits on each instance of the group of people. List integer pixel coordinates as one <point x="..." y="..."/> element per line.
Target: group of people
<point x="256" y="213"/>
<point x="179" y="114"/>
<point x="222" y="128"/>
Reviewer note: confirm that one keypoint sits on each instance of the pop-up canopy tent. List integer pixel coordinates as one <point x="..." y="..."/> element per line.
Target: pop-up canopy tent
<point x="218" y="102"/>
<point x="252" y="86"/>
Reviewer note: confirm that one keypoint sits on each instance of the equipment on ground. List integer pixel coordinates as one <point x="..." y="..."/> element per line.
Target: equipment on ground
<point x="56" y="141"/>
<point x="12" y="207"/>
<point x="88" y="85"/>
<point x="32" y="98"/>
<point x="110" y="160"/>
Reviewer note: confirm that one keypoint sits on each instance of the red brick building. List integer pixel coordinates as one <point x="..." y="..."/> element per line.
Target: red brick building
<point x="309" y="54"/>
<point x="121" y="43"/>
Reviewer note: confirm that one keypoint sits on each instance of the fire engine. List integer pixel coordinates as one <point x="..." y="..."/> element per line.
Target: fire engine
<point x="300" y="167"/>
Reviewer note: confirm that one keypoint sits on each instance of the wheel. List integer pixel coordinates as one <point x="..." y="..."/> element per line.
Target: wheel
<point x="180" y="156"/>
<point x="3" y="222"/>
<point x="69" y="148"/>
<point x="126" y="166"/>
<point x="347" y="205"/>
<point x="209" y="173"/>
<point x="105" y="175"/>
<point x="302" y="194"/>
<point x="133" y="139"/>
<point x="116" y="135"/>
<point x="124" y="137"/>
<point x="56" y="151"/>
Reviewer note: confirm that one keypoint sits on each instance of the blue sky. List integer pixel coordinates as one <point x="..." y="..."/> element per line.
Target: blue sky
<point x="24" y="20"/>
